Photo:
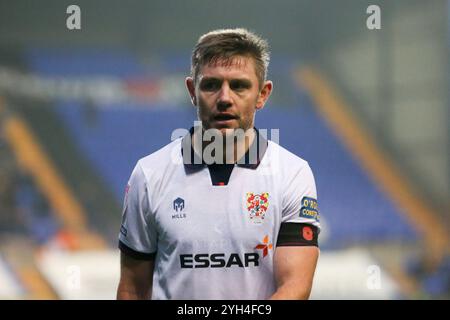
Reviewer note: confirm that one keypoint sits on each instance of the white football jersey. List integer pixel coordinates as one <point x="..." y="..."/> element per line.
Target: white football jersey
<point x="216" y="241"/>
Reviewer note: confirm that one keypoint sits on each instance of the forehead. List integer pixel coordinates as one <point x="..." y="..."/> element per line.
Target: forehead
<point x="233" y="67"/>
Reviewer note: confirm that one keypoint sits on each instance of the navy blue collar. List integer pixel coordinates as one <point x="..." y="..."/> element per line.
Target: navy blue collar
<point x="260" y="143"/>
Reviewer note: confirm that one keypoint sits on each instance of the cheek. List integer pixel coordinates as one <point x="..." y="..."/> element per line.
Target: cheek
<point x="247" y="115"/>
<point x="251" y="107"/>
<point x="204" y="109"/>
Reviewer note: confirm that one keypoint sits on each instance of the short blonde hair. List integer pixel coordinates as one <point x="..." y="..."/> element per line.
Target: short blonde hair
<point x="225" y="44"/>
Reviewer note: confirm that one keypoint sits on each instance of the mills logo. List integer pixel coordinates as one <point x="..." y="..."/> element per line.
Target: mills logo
<point x="178" y="207"/>
<point x="178" y="204"/>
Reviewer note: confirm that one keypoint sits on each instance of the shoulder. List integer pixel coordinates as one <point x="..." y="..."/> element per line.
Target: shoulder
<point x="288" y="161"/>
<point x="161" y="160"/>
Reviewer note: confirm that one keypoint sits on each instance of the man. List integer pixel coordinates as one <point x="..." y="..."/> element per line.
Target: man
<point x="237" y="222"/>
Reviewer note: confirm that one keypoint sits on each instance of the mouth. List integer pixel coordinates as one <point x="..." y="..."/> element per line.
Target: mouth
<point x="224" y="117"/>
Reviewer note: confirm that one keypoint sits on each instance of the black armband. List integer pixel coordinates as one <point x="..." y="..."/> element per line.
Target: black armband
<point x="135" y="254"/>
<point x="298" y="234"/>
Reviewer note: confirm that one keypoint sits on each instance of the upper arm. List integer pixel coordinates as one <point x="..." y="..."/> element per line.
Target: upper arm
<point x="136" y="277"/>
<point x="137" y="240"/>
<point x="297" y="249"/>
<point x="294" y="268"/>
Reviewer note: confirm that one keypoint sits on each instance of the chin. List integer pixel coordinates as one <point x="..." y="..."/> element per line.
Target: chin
<point x="226" y="130"/>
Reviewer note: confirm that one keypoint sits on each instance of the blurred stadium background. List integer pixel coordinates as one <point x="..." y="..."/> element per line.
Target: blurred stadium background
<point x="369" y="110"/>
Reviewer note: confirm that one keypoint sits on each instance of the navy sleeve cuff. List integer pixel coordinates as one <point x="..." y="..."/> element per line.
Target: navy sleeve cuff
<point x="135" y="254"/>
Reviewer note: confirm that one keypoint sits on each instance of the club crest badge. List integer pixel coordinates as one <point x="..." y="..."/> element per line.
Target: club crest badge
<point x="257" y="205"/>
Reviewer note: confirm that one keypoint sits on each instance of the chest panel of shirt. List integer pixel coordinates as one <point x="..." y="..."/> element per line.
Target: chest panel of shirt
<point x="195" y="216"/>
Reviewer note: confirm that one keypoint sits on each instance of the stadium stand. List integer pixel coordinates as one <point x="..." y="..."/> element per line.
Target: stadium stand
<point x="355" y="210"/>
<point x="103" y="136"/>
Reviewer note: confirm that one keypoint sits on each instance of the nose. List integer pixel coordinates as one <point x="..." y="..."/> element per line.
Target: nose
<point x="224" y="100"/>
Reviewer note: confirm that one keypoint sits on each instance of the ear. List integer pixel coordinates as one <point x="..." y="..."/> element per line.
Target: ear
<point x="190" y="85"/>
<point x="264" y="94"/>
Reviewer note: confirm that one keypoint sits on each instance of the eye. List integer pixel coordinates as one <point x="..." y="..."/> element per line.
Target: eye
<point x="239" y="85"/>
<point x="210" y="85"/>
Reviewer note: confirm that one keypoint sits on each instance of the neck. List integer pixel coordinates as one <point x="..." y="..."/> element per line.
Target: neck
<point x="230" y="147"/>
<point x="237" y="145"/>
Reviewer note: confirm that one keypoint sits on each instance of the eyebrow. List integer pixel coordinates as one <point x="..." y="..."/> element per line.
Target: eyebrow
<point x="245" y="80"/>
<point x="204" y="79"/>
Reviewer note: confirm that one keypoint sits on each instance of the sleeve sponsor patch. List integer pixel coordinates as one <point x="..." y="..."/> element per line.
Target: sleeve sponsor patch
<point x="309" y="209"/>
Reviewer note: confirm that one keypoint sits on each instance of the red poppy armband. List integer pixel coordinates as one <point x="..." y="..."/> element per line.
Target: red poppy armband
<point x="298" y="234"/>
